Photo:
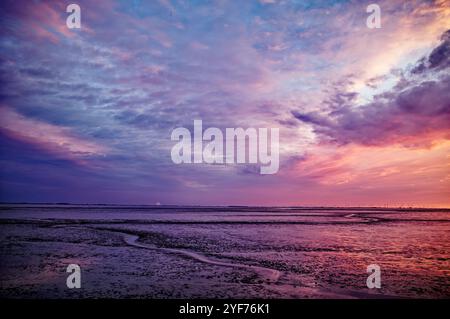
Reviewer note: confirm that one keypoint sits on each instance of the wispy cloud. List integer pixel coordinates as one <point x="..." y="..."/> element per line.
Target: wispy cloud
<point x="108" y="95"/>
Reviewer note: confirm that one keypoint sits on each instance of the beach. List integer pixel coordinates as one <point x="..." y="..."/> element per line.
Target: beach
<point x="223" y="252"/>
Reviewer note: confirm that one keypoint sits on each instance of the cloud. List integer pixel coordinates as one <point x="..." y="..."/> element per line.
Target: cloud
<point x="110" y="96"/>
<point x="54" y="139"/>
<point x="438" y="59"/>
<point x="415" y="115"/>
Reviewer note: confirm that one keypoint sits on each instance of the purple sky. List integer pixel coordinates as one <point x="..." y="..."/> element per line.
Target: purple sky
<point x="364" y="114"/>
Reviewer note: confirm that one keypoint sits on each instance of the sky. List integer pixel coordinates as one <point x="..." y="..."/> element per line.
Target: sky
<point x="86" y="114"/>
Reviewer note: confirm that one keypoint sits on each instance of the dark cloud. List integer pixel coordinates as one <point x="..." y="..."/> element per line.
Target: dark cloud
<point x="311" y="118"/>
<point x="438" y="59"/>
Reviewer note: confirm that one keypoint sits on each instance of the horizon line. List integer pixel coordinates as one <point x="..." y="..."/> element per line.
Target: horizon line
<point x="230" y="206"/>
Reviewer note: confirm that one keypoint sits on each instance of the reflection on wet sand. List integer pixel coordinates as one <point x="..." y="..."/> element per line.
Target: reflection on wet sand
<point x="223" y="252"/>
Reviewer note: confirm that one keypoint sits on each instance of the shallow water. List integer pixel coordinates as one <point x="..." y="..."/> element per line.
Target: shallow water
<point x="211" y="252"/>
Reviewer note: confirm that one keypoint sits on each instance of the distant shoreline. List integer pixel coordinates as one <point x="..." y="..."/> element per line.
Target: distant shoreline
<point x="387" y="208"/>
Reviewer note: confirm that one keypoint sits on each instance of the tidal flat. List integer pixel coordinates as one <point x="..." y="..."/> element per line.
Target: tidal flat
<point x="223" y="252"/>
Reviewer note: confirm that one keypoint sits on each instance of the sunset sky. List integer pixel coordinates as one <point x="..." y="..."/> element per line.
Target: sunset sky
<point x="364" y="114"/>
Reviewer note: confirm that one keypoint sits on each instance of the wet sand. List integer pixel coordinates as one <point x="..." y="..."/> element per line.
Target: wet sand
<point x="227" y="252"/>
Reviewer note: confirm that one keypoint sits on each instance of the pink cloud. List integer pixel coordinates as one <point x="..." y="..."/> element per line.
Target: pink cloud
<point x="55" y="139"/>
